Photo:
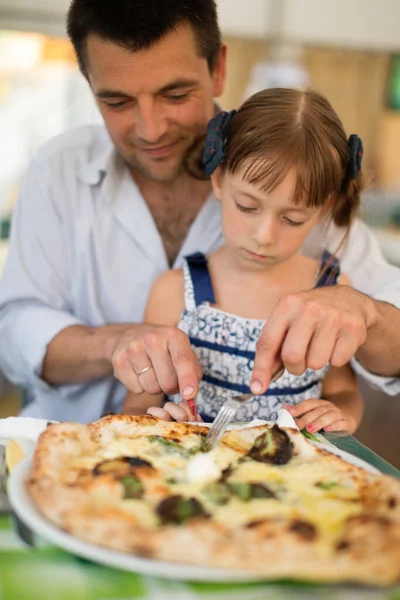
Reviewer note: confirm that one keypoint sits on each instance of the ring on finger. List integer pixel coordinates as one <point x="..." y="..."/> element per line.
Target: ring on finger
<point x="143" y="371"/>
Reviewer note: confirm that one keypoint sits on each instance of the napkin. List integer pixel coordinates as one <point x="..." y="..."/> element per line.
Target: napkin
<point x="284" y="419"/>
<point x="23" y="430"/>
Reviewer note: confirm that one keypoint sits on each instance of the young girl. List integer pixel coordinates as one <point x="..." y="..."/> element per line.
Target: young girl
<point x="279" y="165"/>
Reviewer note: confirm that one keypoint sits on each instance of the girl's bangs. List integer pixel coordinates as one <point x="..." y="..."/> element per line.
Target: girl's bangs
<point x="313" y="186"/>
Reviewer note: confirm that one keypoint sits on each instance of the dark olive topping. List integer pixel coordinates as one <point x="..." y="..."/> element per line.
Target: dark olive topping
<point x="306" y="530"/>
<point x="254" y="524"/>
<point x="226" y="473"/>
<point x="120" y="465"/>
<point x="178" y="509"/>
<point x="342" y="545"/>
<point x="392" y="502"/>
<point x="136" y="461"/>
<point x="273" y="446"/>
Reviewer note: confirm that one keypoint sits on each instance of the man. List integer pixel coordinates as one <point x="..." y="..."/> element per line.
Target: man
<point x="102" y="213"/>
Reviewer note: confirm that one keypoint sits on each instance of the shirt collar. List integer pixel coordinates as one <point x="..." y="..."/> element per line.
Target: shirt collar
<point x="94" y="170"/>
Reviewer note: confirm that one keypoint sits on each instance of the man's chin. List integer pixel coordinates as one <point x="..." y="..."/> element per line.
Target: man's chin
<point x="157" y="172"/>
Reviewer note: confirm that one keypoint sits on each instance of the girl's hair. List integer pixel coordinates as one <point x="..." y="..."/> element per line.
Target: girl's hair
<point x="279" y="129"/>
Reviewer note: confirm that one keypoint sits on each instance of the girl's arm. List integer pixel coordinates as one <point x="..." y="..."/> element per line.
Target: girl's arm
<point x="341" y="408"/>
<point x="340" y="387"/>
<point x="164" y="307"/>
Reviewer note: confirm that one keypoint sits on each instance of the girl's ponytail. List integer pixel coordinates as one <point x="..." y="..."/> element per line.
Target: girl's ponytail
<point x="347" y="205"/>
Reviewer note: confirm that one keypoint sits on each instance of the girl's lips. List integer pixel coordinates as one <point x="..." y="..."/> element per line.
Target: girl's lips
<point x="255" y="256"/>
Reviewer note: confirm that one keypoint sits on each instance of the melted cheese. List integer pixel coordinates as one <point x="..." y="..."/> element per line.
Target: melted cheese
<point x="202" y="468"/>
<point x="296" y="485"/>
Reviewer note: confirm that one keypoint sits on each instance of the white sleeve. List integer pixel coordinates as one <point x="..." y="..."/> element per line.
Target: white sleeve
<point x="34" y="290"/>
<point x="369" y="272"/>
<point x="363" y="262"/>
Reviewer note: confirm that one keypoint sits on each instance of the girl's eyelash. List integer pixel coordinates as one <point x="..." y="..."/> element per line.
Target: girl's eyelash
<point x="290" y="222"/>
<point x="245" y="209"/>
<point x="294" y="223"/>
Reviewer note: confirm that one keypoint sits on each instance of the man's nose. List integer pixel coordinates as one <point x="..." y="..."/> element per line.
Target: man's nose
<point x="151" y="122"/>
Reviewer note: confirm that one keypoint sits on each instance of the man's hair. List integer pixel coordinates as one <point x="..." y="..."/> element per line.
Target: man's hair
<point x="139" y="24"/>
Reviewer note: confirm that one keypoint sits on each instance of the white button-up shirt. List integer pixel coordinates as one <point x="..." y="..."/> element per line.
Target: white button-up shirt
<point x="84" y="249"/>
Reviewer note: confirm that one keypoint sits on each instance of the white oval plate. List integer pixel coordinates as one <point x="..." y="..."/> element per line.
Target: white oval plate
<point x="28" y="512"/>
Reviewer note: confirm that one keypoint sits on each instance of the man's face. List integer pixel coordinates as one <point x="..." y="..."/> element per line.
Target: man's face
<point x="155" y="103"/>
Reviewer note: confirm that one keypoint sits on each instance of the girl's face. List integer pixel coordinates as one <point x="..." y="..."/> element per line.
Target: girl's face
<point x="262" y="228"/>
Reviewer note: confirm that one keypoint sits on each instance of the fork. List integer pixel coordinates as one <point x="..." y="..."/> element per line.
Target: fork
<point x="226" y="413"/>
<point x="228" y="410"/>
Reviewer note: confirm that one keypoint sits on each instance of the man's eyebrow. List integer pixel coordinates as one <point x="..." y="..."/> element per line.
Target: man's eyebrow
<point x="174" y="85"/>
<point x="112" y="94"/>
<point x="177" y="84"/>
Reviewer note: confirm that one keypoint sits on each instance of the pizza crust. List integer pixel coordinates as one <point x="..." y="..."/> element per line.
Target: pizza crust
<point x="362" y="545"/>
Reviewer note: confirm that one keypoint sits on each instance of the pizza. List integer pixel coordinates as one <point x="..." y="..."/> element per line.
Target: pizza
<point x="264" y="501"/>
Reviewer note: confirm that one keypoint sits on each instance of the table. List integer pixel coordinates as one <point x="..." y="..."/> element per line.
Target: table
<point x="49" y="573"/>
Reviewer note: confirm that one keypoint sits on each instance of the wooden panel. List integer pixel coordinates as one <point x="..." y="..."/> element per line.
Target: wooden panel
<point x="388" y="159"/>
<point x="355" y="84"/>
<point x="242" y="56"/>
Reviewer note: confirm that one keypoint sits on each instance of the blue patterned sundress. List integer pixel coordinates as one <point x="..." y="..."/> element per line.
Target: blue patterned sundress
<point x="225" y="346"/>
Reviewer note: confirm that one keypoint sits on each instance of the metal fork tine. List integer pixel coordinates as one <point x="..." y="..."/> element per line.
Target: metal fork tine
<point x="222" y="420"/>
<point x="226" y="413"/>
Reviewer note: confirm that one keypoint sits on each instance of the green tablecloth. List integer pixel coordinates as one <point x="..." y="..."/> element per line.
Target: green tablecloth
<point x="49" y="573"/>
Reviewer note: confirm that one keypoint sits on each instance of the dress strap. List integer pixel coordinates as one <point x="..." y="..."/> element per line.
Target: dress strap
<point x="200" y="279"/>
<point x="329" y="270"/>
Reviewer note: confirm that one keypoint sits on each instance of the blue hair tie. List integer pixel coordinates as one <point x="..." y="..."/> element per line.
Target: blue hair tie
<point x="214" y="150"/>
<point x="356" y="152"/>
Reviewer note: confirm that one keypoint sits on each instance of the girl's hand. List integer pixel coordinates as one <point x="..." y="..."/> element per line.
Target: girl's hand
<point x="174" y="412"/>
<point x="315" y="414"/>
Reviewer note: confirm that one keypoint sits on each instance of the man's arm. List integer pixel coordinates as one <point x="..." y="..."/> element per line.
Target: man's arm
<point x="42" y="342"/>
<point x="34" y="289"/>
<point x="78" y="353"/>
<point x="380" y="353"/>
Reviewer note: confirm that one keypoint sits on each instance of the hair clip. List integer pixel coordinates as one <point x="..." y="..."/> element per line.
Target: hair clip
<point x="214" y="150"/>
<point x="356" y="152"/>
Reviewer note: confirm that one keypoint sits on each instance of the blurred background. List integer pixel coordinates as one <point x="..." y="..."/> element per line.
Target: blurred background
<point x="349" y="51"/>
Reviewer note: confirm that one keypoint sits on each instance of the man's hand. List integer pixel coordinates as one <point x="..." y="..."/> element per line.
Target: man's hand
<point x="311" y="329"/>
<point x="155" y="359"/>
